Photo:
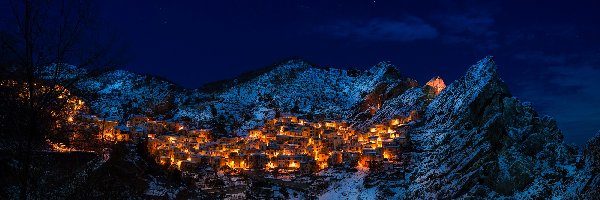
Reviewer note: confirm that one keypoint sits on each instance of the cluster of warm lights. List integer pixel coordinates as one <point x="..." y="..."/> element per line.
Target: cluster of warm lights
<point x="319" y="144"/>
<point x="59" y="147"/>
<point x="72" y="105"/>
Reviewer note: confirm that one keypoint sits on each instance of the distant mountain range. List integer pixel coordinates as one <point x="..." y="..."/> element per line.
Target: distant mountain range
<point x="473" y="139"/>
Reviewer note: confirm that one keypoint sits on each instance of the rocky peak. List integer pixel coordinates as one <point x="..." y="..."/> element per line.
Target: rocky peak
<point x="385" y="69"/>
<point x="381" y="66"/>
<point x="479" y="141"/>
<point x="485" y="69"/>
<point x="292" y="64"/>
<point x="473" y="92"/>
<point x="437" y="84"/>
<point x="60" y="72"/>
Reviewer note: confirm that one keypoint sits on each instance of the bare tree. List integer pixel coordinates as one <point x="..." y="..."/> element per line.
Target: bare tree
<point x="48" y="34"/>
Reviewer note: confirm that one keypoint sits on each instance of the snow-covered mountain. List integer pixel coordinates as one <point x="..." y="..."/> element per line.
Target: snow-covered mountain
<point x="473" y="138"/>
<point x="117" y="93"/>
<point x="477" y="141"/>
<point x="289" y="87"/>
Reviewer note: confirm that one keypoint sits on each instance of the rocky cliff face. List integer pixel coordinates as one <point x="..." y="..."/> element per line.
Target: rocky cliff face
<point x="477" y="141"/>
<point x="436" y="84"/>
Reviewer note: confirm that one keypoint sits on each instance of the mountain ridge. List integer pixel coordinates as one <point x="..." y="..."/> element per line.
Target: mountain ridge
<point x="472" y="138"/>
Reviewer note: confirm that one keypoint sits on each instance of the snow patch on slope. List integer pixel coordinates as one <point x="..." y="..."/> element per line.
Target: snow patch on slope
<point x="349" y="186"/>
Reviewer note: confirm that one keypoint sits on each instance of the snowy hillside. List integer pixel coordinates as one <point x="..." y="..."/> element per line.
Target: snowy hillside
<point x="473" y="139"/>
<point x="117" y="93"/>
<point x="292" y="87"/>
<point x="289" y="87"/>
<point x="476" y="141"/>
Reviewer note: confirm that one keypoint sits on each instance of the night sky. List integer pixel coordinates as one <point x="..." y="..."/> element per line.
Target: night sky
<point x="547" y="52"/>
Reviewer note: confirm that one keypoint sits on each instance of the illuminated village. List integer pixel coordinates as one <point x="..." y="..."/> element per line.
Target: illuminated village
<point x="286" y="144"/>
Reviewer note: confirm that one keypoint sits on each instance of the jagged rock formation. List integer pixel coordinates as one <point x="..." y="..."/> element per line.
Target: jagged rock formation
<point x="478" y="141"/>
<point x="437" y="85"/>
<point x="412" y="99"/>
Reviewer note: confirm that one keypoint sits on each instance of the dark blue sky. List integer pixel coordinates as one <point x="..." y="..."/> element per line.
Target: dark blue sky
<point x="548" y="52"/>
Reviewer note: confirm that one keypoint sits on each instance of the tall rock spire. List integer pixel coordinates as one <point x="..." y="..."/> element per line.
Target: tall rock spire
<point x="468" y="94"/>
<point x="437" y="84"/>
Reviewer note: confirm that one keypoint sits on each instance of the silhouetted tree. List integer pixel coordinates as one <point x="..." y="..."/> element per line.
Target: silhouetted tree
<point x="50" y="33"/>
